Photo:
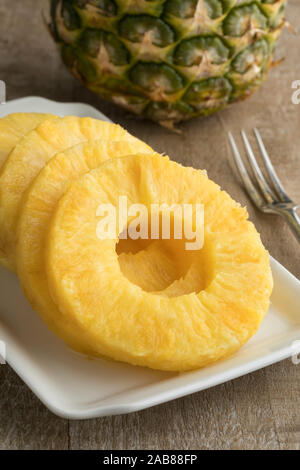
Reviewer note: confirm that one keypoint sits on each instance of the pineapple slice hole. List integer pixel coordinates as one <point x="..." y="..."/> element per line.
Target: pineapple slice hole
<point x="162" y="266"/>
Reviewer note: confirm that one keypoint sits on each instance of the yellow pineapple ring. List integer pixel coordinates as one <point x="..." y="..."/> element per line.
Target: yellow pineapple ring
<point x="37" y="207"/>
<point x="30" y="155"/>
<point x="13" y="127"/>
<point x="112" y="316"/>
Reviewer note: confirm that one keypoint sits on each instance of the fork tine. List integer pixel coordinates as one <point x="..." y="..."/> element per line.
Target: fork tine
<point x="265" y="188"/>
<point x="270" y="169"/>
<point x="253" y="193"/>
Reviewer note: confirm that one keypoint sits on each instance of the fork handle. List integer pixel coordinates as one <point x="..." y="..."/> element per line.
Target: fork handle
<point x="293" y="220"/>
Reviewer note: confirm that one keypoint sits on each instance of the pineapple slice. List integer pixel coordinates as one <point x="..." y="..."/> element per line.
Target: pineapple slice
<point x="38" y="204"/>
<point x="107" y="314"/>
<point x="13" y="127"/>
<point x="30" y="155"/>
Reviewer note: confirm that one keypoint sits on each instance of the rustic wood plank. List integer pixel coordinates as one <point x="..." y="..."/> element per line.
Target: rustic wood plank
<point x="25" y="423"/>
<point x="258" y="411"/>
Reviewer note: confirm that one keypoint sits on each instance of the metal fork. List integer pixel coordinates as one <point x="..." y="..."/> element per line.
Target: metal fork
<point x="268" y="199"/>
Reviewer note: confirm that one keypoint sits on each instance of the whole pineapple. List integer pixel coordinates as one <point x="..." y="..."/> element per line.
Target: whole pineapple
<point x="169" y="60"/>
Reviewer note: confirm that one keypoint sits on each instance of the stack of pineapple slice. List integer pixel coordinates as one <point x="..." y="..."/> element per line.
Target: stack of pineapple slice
<point x="146" y="302"/>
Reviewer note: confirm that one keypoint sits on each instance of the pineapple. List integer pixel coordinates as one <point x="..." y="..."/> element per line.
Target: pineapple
<point x="105" y="313"/>
<point x="13" y="127"/>
<point x="38" y="205"/>
<point x="169" y="60"/>
<point x="28" y="158"/>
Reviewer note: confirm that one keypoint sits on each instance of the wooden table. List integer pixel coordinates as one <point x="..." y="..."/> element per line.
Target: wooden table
<point x="258" y="411"/>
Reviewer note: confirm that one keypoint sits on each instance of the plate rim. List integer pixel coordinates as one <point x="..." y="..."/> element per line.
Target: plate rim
<point x="31" y="98"/>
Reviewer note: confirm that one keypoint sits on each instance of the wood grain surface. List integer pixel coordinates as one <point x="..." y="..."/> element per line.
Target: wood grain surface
<point x="258" y="411"/>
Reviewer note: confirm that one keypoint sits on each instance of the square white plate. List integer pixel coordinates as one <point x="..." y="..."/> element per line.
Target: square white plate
<point x="75" y="387"/>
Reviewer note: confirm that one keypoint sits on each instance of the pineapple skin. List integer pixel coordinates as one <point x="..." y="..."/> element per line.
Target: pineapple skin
<point x="109" y="315"/>
<point x="169" y="60"/>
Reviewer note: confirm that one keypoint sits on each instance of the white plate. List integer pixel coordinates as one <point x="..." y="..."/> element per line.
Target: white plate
<point x="75" y="387"/>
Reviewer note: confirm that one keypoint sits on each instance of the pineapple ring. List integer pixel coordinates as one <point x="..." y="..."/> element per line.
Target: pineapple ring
<point x="37" y="207"/>
<point x="28" y="158"/>
<point x="111" y="316"/>
<point x="13" y="127"/>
